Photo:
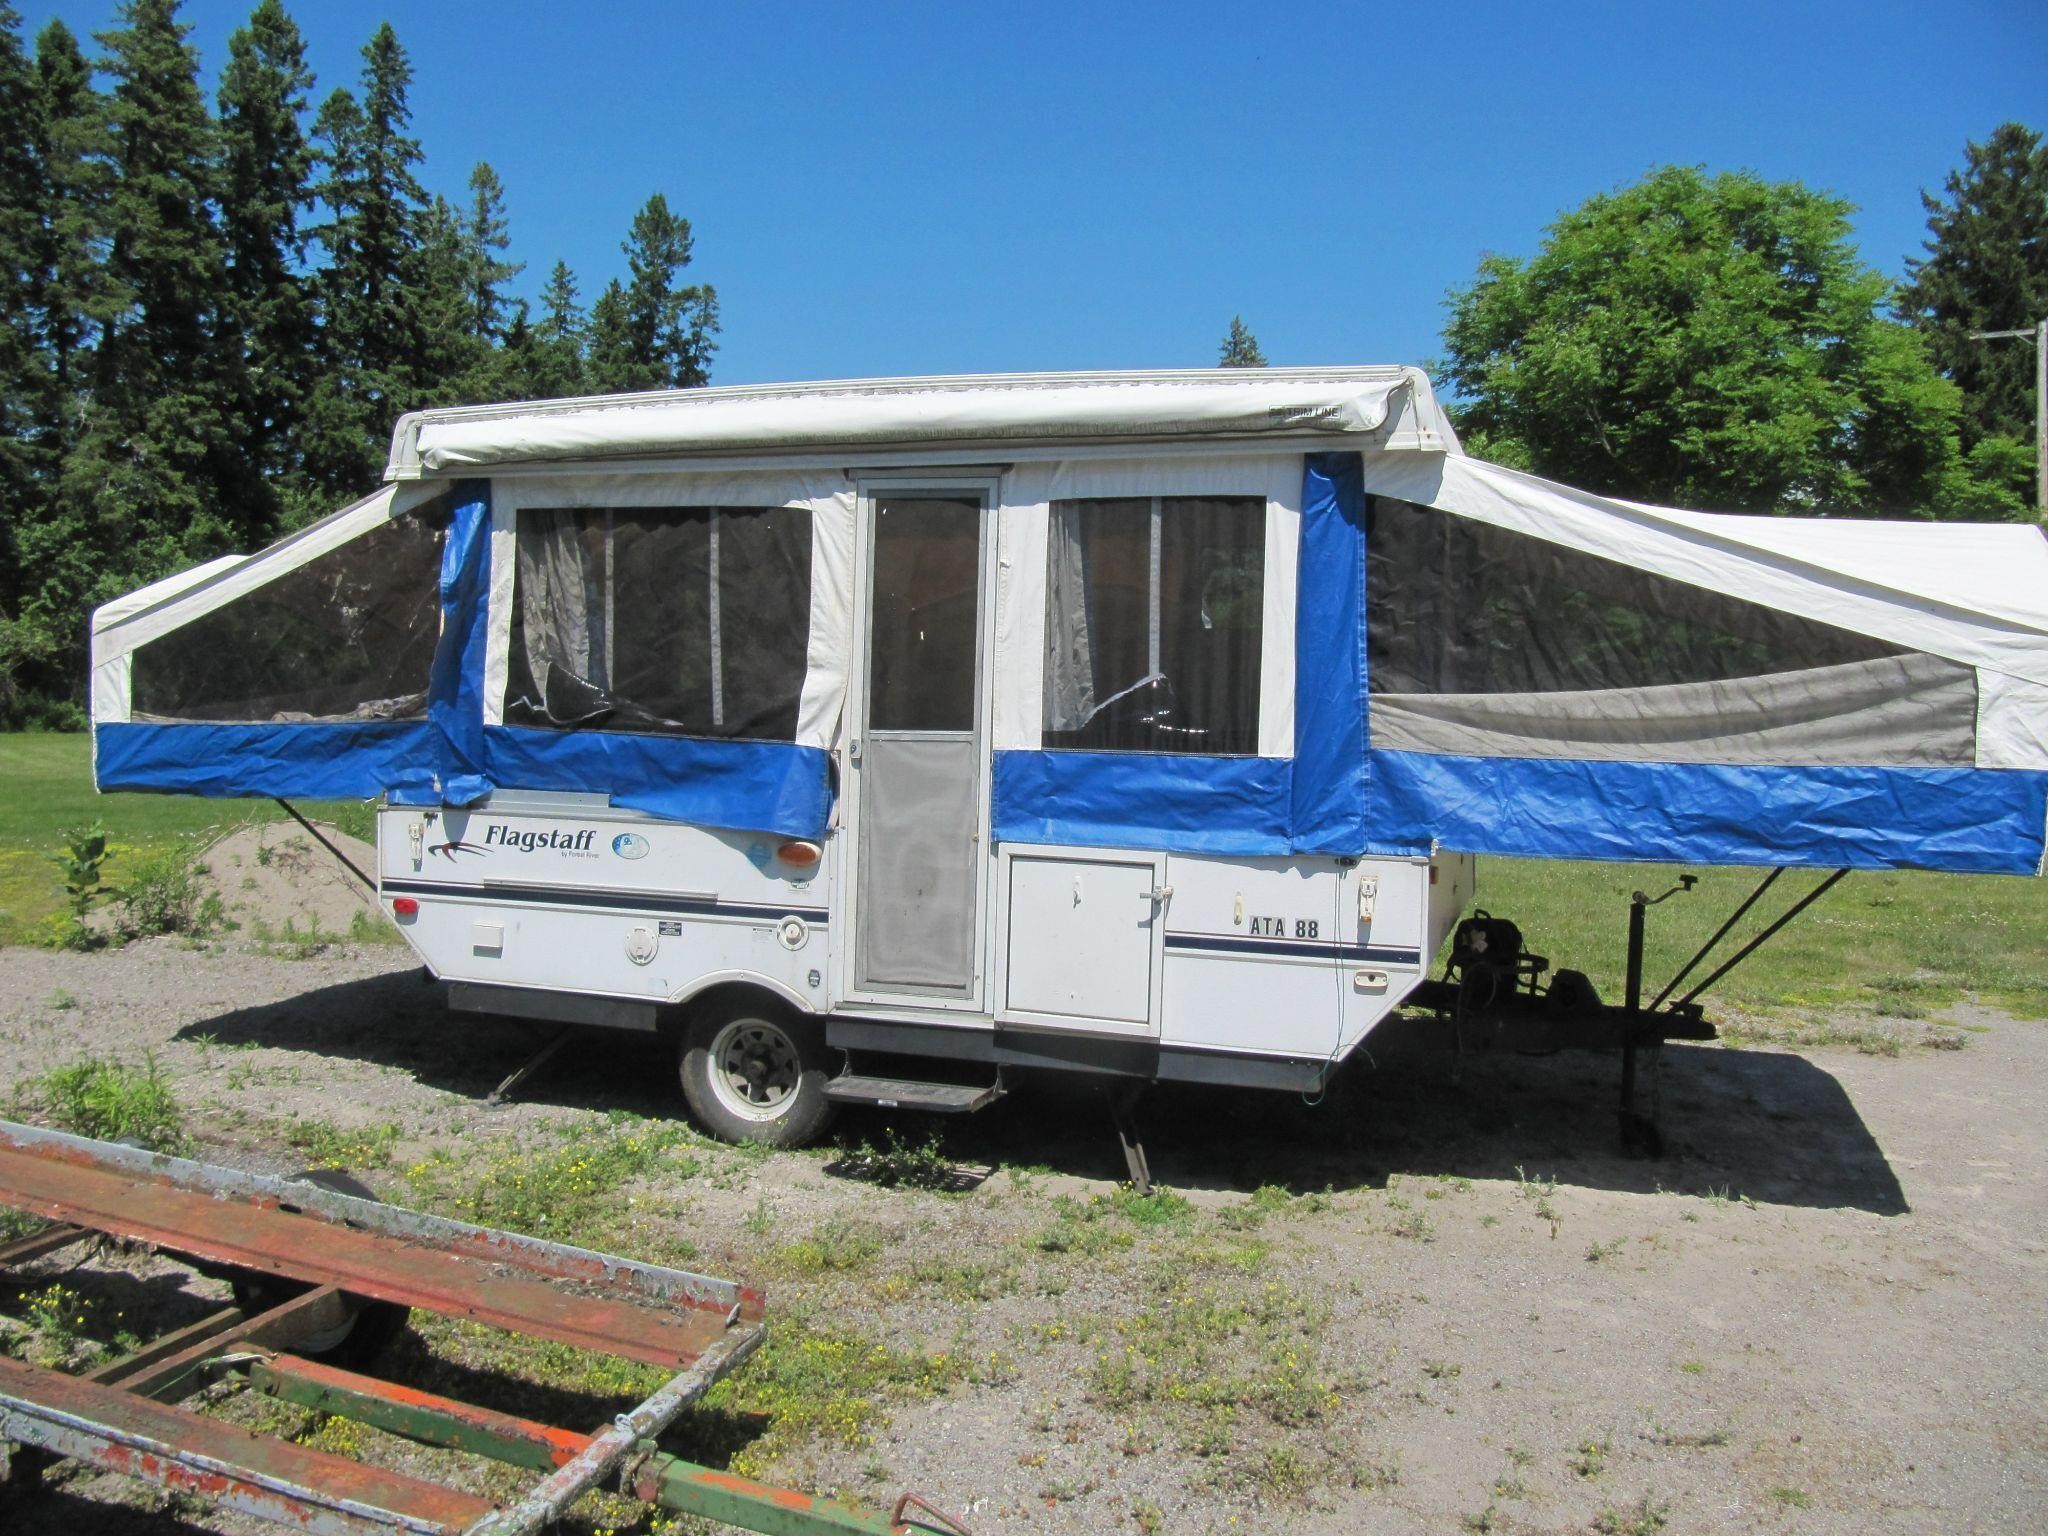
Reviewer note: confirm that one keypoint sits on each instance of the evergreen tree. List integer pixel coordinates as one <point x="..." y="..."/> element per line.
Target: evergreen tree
<point x="1240" y="348"/>
<point x="485" y="233"/>
<point x="610" y="365"/>
<point x="22" y="365"/>
<point x="369" y="345"/>
<point x="145" y="485"/>
<point x="1986" y="269"/>
<point x="72" y="153"/>
<point x="266" y="170"/>
<point x="667" y="330"/>
<point x="557" y="366"/>
<point x="450" y="364"/>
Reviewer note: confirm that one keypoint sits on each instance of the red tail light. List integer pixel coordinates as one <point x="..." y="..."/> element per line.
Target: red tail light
<point x="404" y="906"/>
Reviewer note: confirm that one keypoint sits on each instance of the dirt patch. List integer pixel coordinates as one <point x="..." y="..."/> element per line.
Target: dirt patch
<point x="1435" y="1301"/>
<point x="273" y="879"/>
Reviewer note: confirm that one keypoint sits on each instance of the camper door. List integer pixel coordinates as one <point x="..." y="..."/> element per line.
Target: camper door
<point x="916" y="786"/>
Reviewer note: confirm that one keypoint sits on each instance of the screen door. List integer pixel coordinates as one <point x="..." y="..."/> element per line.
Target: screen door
<point x="918" y="757"/>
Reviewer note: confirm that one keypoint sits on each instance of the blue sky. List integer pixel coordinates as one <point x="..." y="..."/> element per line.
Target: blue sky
<point x="888" y="189"/>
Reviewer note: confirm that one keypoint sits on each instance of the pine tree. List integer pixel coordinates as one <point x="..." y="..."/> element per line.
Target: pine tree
<point x="557" y="366"/>
<point x="1240" y="348"/>
<point x="23" y="368"/>
<point x="71" y="148"/>
<point x="368" y="341"/>
<point x="610" y="365"/>
<point x="667" y="330"/>
<point x="153" y="484"/>
<point x="1986" y="269"/>
<point x="450" y="364"/>
<point x="266" y="170"/>
<point x="485" y="233"/>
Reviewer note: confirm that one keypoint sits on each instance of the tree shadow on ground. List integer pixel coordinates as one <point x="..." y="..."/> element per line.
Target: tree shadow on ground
<point x="1767" y="1124"/>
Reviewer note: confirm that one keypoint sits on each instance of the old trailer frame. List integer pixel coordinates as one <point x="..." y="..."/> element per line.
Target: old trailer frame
<point x="341" y="1254"/>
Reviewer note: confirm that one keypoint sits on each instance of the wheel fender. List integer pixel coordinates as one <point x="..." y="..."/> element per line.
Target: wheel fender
<point x="750" y="979"/>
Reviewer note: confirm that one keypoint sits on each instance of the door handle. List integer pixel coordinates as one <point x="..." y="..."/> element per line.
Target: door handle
<point x="853" y="750"/>
<point x="1158" y="894"/>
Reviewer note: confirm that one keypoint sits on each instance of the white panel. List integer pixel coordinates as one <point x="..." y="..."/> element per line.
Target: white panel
<point x="110" y="700"/>
<point x="1080" y="938"/>
<point x="1276" y="633"/>
<point x="498" y="610"/>
<point x="1019" y="675"/>
<point x="824" y="692"/>
<point x="2012" y="722"/>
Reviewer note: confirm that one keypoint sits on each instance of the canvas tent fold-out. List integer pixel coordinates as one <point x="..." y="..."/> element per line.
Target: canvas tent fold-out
<point x="1390" y="647"/>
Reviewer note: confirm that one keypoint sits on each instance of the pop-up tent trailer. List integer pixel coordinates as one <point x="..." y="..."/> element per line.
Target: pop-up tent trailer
<point x="1144" y="724"/>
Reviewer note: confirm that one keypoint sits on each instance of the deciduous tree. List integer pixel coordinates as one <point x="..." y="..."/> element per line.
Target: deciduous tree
<point x="1708" y="341"/>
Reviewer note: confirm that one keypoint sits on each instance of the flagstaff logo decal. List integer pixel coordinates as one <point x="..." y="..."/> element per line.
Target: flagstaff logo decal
<point x="553" y="839"/>
<point x="450" y="849"/>
<point x="630" y="845"/>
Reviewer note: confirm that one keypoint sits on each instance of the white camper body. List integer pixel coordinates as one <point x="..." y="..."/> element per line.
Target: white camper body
<point x="1138" y="724"/>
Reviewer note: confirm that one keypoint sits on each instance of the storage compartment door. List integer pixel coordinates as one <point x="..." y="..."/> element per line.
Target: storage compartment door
<point x="1084" y="941"/>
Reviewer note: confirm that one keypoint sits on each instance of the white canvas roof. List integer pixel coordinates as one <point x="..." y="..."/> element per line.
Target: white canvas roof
<point x="1384" y="406"/>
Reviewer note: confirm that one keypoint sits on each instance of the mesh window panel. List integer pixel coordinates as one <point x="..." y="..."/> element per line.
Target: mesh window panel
<point x="679" y="621"/>
<point x="349" y="635"/>
<point x="1154" y="621"/>
<point x="1486" y="642"/>
<point x="924" y="617"/>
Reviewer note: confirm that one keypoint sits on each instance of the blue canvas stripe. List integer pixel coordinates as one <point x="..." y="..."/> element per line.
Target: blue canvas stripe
<point x="1327" y="814"/>
<point x="1965" y="819"/>
<point x="456" y="693"/>
<point x="1231" y="805"/>
<point x="322" y="760"/>
<point x="749" y="786"/>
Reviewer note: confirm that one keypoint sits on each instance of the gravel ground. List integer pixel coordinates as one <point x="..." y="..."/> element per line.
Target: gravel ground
<point x="1822" y="1311"/>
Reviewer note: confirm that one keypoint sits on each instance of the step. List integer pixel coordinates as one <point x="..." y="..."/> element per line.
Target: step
<point x="904" y="1093"/>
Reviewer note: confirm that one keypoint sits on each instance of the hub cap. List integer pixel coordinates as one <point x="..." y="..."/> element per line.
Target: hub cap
<point x="755" y="1069"/>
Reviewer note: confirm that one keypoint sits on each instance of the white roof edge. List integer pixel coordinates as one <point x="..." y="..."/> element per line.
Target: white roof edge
<point x="1393" y="403"/>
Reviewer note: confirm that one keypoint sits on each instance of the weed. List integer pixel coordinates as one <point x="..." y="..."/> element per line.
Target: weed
<point x="900" y="1164"/>
<point x="1541" y="1193"/>
<point x="372" y="928"/>
<point x="1706" y="1440"/>
<point x="1645" y="1517"/>
<point x="165" y="893"/>
<point x="1149" y="1518"/>
<point x="61" y="1001"/>
<point x="760" y="1221"/>
<point x="556" y="1191"/>
<point x="82" y="866"/>
<point x="1590" y="1458"/>
<point x="1793" y="1498"/>
<point x="1442" y="1370"/>
<point x="1269" y="1200"/>
<point x="327" y="1145"/>
<point x="1161" y="1208"/>
<point x="1283" y="1474"/>
<point x="824" y="1382"/>
<point x="834" y="1246"/>
<point x="103" y="1099"/>
<point x="1597" y="1251"/>
<point x="1487" y="1519"/>
<point x="1082" y="1229"/>
<point x="1692" y="1368"/>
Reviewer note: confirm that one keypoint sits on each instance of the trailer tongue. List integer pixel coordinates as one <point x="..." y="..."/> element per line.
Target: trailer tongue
<point x="332" y="1262"/>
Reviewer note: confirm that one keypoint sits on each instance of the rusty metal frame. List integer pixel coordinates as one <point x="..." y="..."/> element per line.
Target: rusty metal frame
<point x="341" y="1254"/>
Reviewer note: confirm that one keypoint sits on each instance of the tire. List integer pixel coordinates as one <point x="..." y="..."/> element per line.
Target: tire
<point x="754" y="1072"/>
<point x="359" y="1340"/>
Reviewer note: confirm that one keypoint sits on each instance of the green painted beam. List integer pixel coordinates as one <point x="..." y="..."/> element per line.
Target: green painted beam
<point x="687" y="1488"/>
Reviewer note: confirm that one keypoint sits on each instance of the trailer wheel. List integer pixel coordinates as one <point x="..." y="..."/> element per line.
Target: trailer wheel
<point x="359" y="1340"/>
<point x="754" y="1073"/>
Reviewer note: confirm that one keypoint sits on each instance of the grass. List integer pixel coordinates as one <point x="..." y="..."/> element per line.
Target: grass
<point x="565" y="1191"/>
<point x="104" y="1099"/>
<point x="1899" y="944"/>
<point x="48" y="776"/>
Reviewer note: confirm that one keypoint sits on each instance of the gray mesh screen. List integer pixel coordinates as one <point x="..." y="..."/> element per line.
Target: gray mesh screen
<point x="689" y="621"/>
<point x="349" y="635"/>
<point x="1491" y="643"/>
<point x="1154" y="614"/>
<point x="919" y="811"/>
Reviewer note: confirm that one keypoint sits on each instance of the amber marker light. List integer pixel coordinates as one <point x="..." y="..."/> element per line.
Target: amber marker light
<point x="802" y="855"/>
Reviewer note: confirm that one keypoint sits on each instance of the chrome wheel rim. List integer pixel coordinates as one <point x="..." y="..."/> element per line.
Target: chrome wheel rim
<point x="755" y="1070"/>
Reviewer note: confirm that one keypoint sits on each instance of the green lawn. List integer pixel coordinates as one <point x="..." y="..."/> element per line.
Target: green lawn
<point x="46" y="786"/>
<point x="1896" y="944"/>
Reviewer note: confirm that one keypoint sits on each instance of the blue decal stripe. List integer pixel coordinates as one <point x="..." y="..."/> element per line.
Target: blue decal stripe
<point x="1220" y="943"/>
<point x="568" y="896"/>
